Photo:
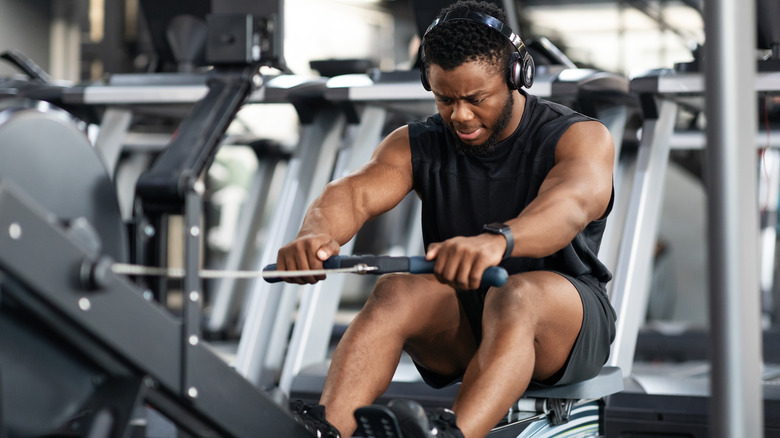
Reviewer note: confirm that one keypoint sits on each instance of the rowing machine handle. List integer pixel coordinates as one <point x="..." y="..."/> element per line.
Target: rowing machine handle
<point x="493" y="275"/>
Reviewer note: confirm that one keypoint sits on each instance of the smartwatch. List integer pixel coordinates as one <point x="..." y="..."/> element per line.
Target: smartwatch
<point x="503" y="229"/>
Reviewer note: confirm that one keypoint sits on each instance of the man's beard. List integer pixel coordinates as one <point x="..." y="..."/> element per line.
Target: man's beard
<point x="490" y="144"/>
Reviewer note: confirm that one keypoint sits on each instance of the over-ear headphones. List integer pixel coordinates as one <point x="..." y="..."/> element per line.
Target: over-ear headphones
<point x="521" y="65"/>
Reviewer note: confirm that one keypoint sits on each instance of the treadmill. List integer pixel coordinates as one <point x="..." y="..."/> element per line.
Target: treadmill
<point x="669" y="391"/>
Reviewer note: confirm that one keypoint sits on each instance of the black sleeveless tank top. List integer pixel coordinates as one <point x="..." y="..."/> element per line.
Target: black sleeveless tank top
<point x="460" y="192"/>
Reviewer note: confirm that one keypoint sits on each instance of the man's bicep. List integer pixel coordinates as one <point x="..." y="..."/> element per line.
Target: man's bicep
<point x="386" y="179"/>
<point x="584" y="165"/>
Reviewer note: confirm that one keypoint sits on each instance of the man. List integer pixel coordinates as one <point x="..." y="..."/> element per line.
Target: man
<point x="538" y="175"/>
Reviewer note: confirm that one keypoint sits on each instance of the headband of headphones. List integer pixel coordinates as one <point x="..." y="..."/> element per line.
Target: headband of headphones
<point x="521" y="66"/>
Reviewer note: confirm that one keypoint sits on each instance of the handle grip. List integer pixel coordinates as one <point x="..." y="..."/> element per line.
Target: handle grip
<point x="333" y="262"/>
<point x="493" y="275"/>
<point x="271" y="267"/>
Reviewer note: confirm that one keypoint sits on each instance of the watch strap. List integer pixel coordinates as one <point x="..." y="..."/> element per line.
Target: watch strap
<point x="504" y="230"/>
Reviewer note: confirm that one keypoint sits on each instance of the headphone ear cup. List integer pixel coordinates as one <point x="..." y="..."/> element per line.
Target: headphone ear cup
<point x="423" y="74"/>
<point x="424" y="79"/>
<point x="514" y="75"/>
<point x="528" y="71"/>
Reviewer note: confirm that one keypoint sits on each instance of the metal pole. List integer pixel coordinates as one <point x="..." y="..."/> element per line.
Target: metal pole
<point x="736" y="407"/>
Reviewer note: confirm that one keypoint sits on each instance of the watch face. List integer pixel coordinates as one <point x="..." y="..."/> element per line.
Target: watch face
<point x="503" y="229"/>
<point x="495" y="227"/>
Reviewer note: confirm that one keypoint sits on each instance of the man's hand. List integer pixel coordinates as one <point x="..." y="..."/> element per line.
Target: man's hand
<point x="461" y="261"/>
<point x="304" y="253"/>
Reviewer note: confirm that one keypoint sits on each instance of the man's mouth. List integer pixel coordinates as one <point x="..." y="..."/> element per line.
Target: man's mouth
<point x="468" y="134"/>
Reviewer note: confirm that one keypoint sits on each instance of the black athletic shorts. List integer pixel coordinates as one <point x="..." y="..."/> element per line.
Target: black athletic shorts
<point x="590" y="351"/>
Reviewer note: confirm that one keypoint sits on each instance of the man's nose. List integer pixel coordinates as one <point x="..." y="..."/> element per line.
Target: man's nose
<point x="461" y="112"/>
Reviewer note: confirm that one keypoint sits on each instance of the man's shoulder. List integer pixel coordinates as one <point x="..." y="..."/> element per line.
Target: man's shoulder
<point x="551" y="117"/>
<point x="432" y="123"/>
<point x="427" y="130"/>
<point x="554" y="110"/>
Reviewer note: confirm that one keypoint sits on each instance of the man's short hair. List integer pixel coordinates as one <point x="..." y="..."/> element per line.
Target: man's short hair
<point x="453" y="43"/>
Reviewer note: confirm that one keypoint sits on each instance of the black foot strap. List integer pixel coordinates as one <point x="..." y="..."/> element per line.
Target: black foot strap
<point x="377" y="422"/>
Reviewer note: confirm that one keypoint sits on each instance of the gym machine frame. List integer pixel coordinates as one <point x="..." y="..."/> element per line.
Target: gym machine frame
<point x="148" y="355"/>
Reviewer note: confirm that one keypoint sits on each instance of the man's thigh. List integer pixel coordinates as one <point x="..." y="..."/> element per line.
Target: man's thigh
<point x="541" y="304"/>
<point x="573" y="322"/>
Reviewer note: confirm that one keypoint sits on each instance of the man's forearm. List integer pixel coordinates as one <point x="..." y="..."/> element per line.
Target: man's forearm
<point x="334" y="213"/>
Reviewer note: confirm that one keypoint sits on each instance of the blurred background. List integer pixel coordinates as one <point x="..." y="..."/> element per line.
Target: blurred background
<point x="82" y="39"/>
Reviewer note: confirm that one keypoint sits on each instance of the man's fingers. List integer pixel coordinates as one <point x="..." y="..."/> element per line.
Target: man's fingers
<point x="328" y="250"/>
<point x="306" y="253"/>
<point x="433" y="251"/>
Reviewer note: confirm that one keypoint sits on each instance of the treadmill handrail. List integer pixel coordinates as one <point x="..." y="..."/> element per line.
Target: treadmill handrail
<point x="163" y="187"/>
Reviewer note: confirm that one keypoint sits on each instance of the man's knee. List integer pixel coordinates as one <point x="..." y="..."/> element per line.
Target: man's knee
<point x="528" y="296"/>
<point x="397" y="296"/>
<point x="417" y="304"/>
<point x="390" y="290"/>
<point x="516" y="296"/>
